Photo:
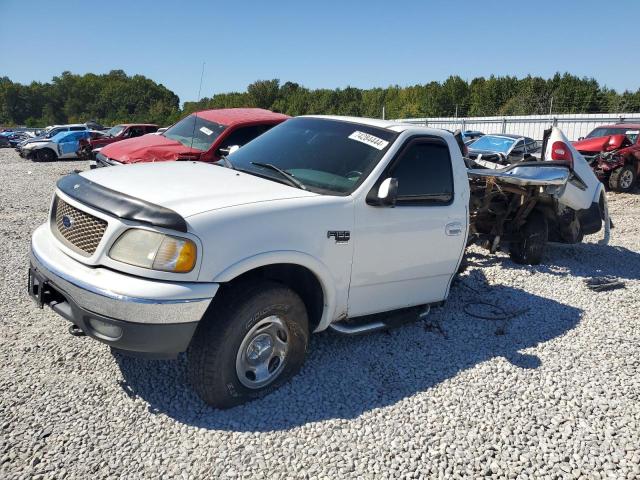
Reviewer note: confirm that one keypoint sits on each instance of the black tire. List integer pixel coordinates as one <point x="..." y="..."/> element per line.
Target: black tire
<point x="46" y="155"/>
<point x="214" y="350"/>
<point x="528" y="246"/>
<point x="622" y="179"/>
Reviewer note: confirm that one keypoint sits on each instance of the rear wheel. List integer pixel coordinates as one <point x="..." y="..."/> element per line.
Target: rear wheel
<point x="251" y="341"/>
<point x="46" y="155"/>
<point x="528" y="246"/>
<point x="622" y="179"/>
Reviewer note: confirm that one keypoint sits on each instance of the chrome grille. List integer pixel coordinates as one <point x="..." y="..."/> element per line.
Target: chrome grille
<point x="77" y="229"/>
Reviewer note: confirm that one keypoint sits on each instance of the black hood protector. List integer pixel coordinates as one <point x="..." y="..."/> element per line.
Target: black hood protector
<point x="120" y="204"/>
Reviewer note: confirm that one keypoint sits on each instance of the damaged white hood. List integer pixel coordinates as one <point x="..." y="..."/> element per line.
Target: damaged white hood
<point x="190" y="188"/>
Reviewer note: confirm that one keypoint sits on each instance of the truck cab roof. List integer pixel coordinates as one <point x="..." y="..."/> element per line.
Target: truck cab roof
<point x="238" y="116"/>
<point x="390" y="125"/>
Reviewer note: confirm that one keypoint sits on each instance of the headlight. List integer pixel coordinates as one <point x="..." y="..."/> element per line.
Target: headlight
<point x="154" y="250"/>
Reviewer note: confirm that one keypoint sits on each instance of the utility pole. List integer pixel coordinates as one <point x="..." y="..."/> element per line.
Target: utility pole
<point x="383" y="113"/>
<point x="551" y="106"/>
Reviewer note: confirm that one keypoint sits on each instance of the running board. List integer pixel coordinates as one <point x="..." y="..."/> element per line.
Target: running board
<point x="352" y="328"/>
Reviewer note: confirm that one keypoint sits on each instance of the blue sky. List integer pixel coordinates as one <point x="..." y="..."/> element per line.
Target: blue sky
<point x="319" y="44"/>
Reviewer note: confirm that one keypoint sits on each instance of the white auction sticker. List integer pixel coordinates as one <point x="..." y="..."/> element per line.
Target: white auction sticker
<point x="368" y="139"/>
<point x="206" y="131"/>
<point x="631" y="132"/>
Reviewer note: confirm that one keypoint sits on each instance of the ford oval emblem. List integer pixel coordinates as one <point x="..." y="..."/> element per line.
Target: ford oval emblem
<point x="67" y="221"/>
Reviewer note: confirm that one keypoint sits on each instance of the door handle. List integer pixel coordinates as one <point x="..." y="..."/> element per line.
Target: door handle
<point x="453" y="228"/>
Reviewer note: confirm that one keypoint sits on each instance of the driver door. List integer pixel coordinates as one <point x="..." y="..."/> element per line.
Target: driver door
<point x="406" y="255"/>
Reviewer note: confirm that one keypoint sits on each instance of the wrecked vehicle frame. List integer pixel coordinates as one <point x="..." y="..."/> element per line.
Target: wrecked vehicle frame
<point x="519" y="207"/>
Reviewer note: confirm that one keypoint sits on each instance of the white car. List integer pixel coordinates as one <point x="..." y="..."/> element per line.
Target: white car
<point x="320" y="222"/>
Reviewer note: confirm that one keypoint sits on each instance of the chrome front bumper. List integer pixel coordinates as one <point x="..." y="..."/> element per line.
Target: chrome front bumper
<point x="119" y="295"/>
<point x="150" y="317"/>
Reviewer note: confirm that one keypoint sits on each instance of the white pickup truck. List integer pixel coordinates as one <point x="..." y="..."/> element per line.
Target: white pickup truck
<point x="320" y="222"/>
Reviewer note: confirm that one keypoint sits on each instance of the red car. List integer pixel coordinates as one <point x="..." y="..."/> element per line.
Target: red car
<point x="115" y="134"/>
<point x="203" y="136"/>
<point x="614" y="154"/>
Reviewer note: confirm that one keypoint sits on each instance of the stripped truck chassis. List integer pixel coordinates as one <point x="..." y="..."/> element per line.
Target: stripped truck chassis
<point x="502" y="202"/>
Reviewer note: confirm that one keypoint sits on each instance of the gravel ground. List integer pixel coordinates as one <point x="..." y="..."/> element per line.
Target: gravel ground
<point x="552" y="393"/>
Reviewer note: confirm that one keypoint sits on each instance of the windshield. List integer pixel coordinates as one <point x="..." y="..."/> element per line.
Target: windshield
<point x="632" y="134"/>
<point x="114" y="131"/>
<point x="492" y="144"/>
<point x="326" y="156"/>
<point x="195" y="132"/>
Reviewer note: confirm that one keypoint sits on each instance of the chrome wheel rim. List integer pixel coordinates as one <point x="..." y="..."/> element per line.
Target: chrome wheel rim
<point x="263" y="352"/>
<point x="626" y="178"/>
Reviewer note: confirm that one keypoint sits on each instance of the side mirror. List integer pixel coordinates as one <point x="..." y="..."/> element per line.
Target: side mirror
<point x="386" y="194"/>
<point x="226" y="151"/>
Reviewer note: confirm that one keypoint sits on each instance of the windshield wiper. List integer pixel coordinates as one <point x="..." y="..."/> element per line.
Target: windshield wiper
<point x="291" y="179"/>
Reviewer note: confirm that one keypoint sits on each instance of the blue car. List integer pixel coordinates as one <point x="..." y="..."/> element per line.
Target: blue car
<point x="12" y="138"/>
<point x="61" y="146"/>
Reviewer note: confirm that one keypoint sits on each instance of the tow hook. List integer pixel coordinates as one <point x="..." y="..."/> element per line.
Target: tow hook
<point x="76" y="331"/>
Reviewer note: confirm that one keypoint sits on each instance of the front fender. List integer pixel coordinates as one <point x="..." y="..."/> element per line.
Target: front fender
<point x="318" y="268"/>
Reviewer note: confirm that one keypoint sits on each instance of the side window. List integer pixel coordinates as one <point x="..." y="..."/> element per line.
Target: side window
<point x="135" y="132"/>
<point x="76" y="129"/>
<point x="424" y="174"/>
<point x="244" y="135"/>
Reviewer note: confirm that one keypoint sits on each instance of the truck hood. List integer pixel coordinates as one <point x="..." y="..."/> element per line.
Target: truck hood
<point x="147" y="148"/>
<point x="190" y="188"/>
<point x="600" y="144"/>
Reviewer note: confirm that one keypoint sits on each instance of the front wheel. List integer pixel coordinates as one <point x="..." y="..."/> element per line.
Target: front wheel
<point x="252" y="340"/>
<point x="46" y="155"/>
<point x="622" y="179"/>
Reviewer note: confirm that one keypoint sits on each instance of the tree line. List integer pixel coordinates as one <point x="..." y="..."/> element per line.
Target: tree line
<point x="111" y="98"/>
<point x="115" y="98"/>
